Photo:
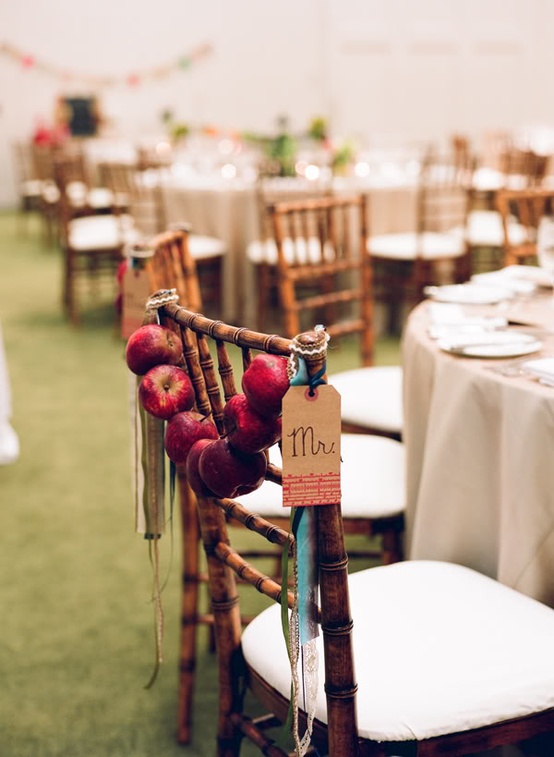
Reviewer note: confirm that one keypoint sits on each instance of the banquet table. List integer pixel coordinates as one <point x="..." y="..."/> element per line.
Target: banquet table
<point x="228" y="209"/>
<point x="480" y="446"/>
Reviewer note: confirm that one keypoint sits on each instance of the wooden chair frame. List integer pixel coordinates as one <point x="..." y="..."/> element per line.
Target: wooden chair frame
<point x="340" y="276"/>
<point x="442" y="205"/>
<point x="226" y="566"/>
<point x="209" y="402"/>
<point x="528" y="206"/>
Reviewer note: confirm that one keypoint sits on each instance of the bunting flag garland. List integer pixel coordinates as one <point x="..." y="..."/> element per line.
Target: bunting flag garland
<point x="133" y="79"/>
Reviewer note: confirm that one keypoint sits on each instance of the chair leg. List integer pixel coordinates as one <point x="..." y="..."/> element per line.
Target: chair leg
<point x="393" y="542"/>
<point x="69" y="294"/>
<point x="189" y="610"/>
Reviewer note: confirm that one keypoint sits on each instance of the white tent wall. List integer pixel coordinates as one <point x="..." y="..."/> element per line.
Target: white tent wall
<point x="381" y="70"/>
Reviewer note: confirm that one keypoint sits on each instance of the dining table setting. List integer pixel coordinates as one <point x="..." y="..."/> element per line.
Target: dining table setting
<point x="478" y="361"/>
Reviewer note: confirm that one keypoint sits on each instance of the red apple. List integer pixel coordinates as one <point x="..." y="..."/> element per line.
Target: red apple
<point x="265" y="382"/>
<point x="229" y="473"/>
<point x="152" y="345"/>
<point x="183" y="430"/>
<point x="166" y="390"/>
<point x="191" y="468"/>
<point x="247" y="430"/>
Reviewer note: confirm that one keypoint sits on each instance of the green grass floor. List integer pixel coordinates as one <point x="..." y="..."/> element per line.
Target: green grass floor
<point x="76" y="634"/>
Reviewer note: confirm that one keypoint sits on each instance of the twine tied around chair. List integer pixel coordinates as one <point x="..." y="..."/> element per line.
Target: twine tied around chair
<point x="296" y="366"/>
<point x="161" y="298"/>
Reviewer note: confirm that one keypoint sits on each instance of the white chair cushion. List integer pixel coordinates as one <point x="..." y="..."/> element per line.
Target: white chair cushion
<point x="372" y="480"/>
<point x="101" y="232"/>
<point x="31" y="187"/>
<point x="484" y="229"/>
<point x="371" y="396"/>
<point x="202" y="247"/>
<point x="97" y="198"/>
<point x="438" y="648"/>
<point x="50" y="192"/>
<point x="429" y="245"/>
<point x="100" y="197"/>
<point x="266" y="252"/>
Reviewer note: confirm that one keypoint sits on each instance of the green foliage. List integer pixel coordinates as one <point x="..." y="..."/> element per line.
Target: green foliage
<point x="318" y="129"/>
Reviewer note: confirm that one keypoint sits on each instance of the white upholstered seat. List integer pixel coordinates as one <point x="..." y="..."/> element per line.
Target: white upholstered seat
<point x="484" y="229"/>
<point x="371" y="397"/>
<point x="203" y="247"/>
<point x="364" y="458"/>
<point x="301" y="251"/>
<point x="101" y="232"/>
<point x="408" y="246"/>
<point x="467" y="651"/>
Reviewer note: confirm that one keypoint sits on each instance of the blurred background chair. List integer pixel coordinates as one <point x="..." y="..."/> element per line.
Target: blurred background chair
<point x="92" y="245"/>
<point x="376" y="512"/>
<point x="43" y="158"/>
<point x="171" y="266"/>
<point x="261" y="252"/>
<point x="514" y="168"/>
<point x="28" y="184"/>
<point x="527" y="206"/>
<point x="435" y="252"/>
<point x="324" y="276"/>
<point x="73" y="174"/>
<point x="143" y="191"/>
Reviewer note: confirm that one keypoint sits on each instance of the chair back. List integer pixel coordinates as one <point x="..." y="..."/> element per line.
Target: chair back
<point x="526" y="207"/>
<point x="523" y="167"/>
<point x="216" y="354"/>
<point x="24" y="164"/>
<point x="324" y="275"/>
<point x="171" y="266"/>
<point x="144" y="194"/>
<point x="271" y="189"/>
<point x="443" y="193"/>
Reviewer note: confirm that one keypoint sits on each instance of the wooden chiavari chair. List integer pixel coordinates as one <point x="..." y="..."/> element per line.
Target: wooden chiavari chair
<point x="324" y="275"/>
<point x="420" y="657"/>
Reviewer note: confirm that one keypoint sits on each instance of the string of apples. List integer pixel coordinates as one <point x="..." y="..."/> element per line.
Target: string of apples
<point x="229" y="465"/>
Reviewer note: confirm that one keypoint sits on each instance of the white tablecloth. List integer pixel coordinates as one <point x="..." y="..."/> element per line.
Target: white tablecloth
<point x="480" y="473"/>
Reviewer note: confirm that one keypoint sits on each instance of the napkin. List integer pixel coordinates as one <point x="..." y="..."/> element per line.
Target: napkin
<point x="510" y="278"/>
<point x="542" y="368"/>
<point x="449" y="319"/>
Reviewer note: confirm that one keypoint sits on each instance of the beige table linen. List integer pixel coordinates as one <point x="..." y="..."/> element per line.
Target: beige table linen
<point x="480" y="457"/>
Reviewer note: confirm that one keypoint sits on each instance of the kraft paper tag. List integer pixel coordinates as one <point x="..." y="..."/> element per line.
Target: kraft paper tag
<point x="311" y="446"/>
<point x="136" y="291"/>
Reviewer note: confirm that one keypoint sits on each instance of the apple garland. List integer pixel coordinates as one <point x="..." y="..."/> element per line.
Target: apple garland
<point x="229" y="465"/>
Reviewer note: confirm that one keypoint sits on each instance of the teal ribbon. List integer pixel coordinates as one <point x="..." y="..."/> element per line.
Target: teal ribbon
<point x="303" y="529"/>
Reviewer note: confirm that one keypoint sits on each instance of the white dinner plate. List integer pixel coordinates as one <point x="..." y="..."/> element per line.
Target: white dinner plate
<point x="492" y="344"/>
<point x="470" y="294"/>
